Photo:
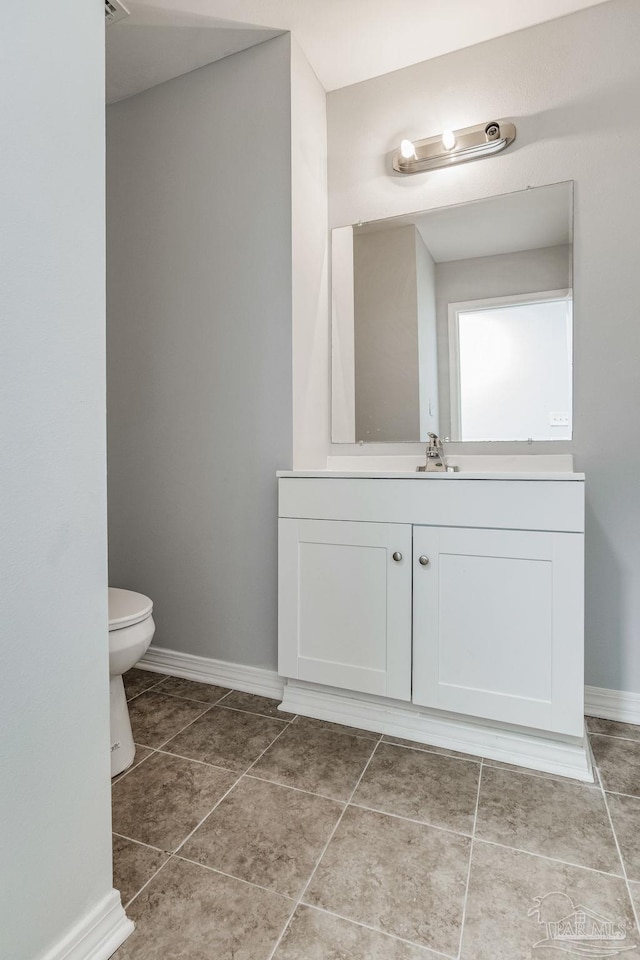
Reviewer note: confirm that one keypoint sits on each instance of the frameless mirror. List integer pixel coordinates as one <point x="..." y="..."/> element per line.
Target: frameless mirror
<point x="456" y="321"/>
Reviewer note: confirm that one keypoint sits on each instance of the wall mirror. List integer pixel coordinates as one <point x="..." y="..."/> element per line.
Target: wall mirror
<point x="456" y="320"/>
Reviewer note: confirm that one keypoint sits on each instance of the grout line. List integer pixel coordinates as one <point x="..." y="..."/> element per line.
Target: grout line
<point x="433" y="750"/>
<point x="622" y="864"/>
<point x="261" y="755"/>
<point x="134" y="766"/>
<point x="182" y="729"/>
<point x="617" y="793"/>
<point x="253" y="713"/>
<point x="204" y="763"/>
<point x="220" y="799"/>
<point x="152" y="877"/>
<point x="324" y="849"/>
<point x="287" y="786"/>
<point x="158" y="683"/>
<point x="392" y="936"/>
<point x="179" y="696"/>
<point x="473" y="837"/>
<point x="207" y="815"/>
<point x="331" y="725"/>
<point x="420" y="823"/>
<point x="612" y="736"/>
<point x="141" y="843"/>
<point x="542" y="856"/>
<point x="232" y="876"/>
<point x="159" y="748"/>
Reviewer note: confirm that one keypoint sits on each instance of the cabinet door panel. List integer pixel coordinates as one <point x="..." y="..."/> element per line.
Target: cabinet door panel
<point x="345" y="605"/>
<point x="498" y="625"/>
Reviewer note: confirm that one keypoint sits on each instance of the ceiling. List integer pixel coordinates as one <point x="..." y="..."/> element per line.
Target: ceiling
<point x="513" y="222"/>
<point x="345" y="41"/>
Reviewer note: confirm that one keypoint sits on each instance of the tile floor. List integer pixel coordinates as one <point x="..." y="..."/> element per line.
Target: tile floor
<point x="242" y="833"/>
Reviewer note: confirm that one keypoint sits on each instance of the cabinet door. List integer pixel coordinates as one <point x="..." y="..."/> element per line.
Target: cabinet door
<point x="498" y="625"/>
<point x="344" y="615"/>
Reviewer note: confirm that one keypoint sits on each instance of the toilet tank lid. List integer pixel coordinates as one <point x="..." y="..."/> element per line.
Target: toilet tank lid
<point x="127" y="608"/>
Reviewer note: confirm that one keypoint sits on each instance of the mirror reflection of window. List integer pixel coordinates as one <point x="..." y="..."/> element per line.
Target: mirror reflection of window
<point x="511" y="371"/>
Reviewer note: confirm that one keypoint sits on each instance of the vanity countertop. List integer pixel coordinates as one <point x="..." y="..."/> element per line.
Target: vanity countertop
<point x="470" y="467"/>
<point x="406" y="475"/>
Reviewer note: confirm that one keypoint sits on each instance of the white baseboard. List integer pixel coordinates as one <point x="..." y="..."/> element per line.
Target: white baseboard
<point x="97" y="935"/>
<point x="524" y="748"/>
<point x="514" y="745"/>
<point x="598" y="701"/>
<point x="612" y="704"/>
<point x="238" y="676"/>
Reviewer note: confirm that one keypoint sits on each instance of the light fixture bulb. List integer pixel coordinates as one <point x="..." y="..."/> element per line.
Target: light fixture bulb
<point x="407" y="150"/>
<point x="448" y="140"/>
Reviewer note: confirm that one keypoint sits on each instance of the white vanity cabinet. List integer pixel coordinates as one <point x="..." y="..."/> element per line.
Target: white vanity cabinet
<point x="345" y="604"/>
<point x="461" y="595"/>
<point x="497" y="625"/>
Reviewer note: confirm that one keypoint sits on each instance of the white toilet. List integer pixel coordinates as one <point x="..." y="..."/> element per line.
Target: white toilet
<point x="131" y="629"/>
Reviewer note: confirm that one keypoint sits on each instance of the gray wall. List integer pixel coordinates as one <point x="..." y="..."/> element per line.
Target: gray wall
<point x="54" y="698"/>
<point x="571" y="86"/>
<point x="199" y="349"/>
<point x="386" y="334"/>
<point x="505" y="275"/>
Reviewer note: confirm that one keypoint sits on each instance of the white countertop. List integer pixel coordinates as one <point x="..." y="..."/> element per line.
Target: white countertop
<point x="404" y="475"/>
<point x="490" y="467"/>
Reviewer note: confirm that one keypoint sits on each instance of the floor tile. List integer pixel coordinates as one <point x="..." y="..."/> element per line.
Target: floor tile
<point x="429" y="748"/>
<point x="316" y="759"/>
<point x="192" y="690"/>
<point x="188" y="912"/>
<point x="613" y="728"/>
<point x="266" y="834"/>
<point x="136" y="681"/>
<point x="635" y="896"/>
<point x="513" y="895"/>
<point x="133" y="865"/>
<point x="560" y="820"/>
<point x="402" y="878"/>
<point x="227" y="738"/>
<point x="439" y="790"/>
<point x="162" y="800"/>
<point x="619" y="764"/>
<point x="141" y="754"/>
<point x="309" y="723"/>
<point x="314" y="935"/>
<point x="265" y="706"/>
<point x="625" y="813"/>
<point x="156" y="717"/>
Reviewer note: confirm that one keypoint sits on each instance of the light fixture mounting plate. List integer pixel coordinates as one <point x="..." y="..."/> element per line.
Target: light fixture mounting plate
<point x="470" y="143"/>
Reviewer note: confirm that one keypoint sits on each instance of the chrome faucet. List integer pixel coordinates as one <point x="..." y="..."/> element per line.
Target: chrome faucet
<point x="435" y="461"/>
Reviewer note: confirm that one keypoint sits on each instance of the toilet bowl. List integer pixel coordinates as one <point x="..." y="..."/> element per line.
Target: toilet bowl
<point x="131" y="629"/>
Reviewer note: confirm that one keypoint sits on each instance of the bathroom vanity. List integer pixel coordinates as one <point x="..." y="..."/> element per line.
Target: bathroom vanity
<point x="446" y="608"/>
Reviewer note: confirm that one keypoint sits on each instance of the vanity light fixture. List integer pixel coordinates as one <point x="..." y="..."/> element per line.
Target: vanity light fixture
<point x="454" y="146"/>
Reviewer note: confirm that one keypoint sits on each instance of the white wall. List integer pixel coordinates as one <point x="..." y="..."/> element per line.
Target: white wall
<point x="54" y="698"/>
<point x="310" y="266"/>
<point x="571" y="87"/>
<point x="199" y="349"/>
